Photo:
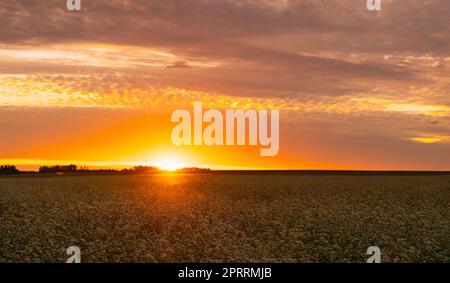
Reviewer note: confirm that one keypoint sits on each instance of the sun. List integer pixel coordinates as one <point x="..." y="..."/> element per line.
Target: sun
<point x="170" y="164"/>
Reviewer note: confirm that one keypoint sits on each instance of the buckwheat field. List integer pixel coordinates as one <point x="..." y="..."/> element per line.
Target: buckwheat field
<point x="225" y="218"/>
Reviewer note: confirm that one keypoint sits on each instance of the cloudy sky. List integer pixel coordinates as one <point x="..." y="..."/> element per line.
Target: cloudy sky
<point x="356" y="89"/>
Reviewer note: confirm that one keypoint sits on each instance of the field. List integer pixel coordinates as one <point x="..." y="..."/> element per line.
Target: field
<point x="225" y="218"/>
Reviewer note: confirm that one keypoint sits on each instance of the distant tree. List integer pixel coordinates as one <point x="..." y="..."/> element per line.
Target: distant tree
<point x="58" y="169"/>
<point x="8" y="169"/>
<point x="84" y="169"/>
<point x="145" y="169"/>
<point x="193" y="170"/>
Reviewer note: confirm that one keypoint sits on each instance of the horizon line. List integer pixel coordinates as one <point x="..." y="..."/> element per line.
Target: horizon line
<point x="203" y="170"/>
<point x="33" y="165"/>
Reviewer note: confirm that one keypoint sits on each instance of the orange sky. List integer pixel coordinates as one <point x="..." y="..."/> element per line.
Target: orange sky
<point x="355" y="89"/>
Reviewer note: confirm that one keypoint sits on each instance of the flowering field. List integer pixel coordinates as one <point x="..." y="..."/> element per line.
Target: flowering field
<point x="225" y="218"/>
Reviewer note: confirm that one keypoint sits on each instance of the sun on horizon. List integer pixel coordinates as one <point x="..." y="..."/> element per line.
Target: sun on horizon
<point x="170" y="164"/>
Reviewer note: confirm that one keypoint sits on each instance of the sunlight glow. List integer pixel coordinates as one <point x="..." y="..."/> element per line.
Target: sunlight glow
<point x="430" y="140"/>
<point x="170" y="164"/>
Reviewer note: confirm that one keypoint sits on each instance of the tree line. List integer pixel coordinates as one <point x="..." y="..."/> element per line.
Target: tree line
<point x="8" y="169"/>
<point x="72" y="168"/>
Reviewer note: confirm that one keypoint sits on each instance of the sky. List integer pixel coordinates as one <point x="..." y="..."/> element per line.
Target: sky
<point x="355" y="89"/>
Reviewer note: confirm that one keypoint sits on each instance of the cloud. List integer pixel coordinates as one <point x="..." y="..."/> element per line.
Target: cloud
<point x="178" y="64"/>
<point x="416" y="26"/>
<point x="431" y="140"/>
<point x="260" y="48"/>
<point x="334" y="68"/>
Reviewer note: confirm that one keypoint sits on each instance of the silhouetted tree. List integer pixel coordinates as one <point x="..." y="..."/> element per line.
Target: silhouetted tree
<point x="8" y="169"/>
<point x="58" y="169"/>
<point x="145" y="169"/>
<point x="193" y="170"/>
